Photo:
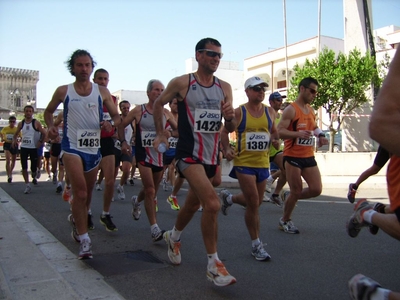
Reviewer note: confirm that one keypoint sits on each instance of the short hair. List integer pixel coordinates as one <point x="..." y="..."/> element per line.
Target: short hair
<point x="71" y="61"/>
<point x="12" y="118"/>
<point x="99" y="71"/>
<point x="29" y="106"/>
<point x="203" y="42"/>
<point x="307" y="81"/>
<point x="150" y="84"/>
<point x="123" y="102"/>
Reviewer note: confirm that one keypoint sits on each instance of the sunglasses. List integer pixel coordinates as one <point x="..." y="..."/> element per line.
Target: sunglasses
<point x="12" y="121"/>
<point x="211" y="53"/>
<point x="258" y="88"/>
<point x="312" y="91"/>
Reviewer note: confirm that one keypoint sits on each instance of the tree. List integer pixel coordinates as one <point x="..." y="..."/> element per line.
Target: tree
<point x="343" y="82"/>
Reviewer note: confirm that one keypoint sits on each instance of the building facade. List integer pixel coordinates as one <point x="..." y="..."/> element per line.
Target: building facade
<point x="17" y="89"/>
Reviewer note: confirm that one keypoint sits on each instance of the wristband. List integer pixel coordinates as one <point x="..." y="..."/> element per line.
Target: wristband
<point x="122" y="141"/>
<point x="317" y="132"/>
<point x="321" y="135"/>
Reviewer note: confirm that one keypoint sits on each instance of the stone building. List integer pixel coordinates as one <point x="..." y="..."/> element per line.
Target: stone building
<point x="17" y="89"/>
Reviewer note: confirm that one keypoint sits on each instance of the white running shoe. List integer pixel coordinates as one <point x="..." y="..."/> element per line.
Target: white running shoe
<point x="268" y="187"/>
<point x="28" y="189"/>
<point x="136" y="210"/>
<point x="219" y="275"/>
<point x="173" y="248"/>
<point x="98" y="187"/>
<point x="121" y="193"/>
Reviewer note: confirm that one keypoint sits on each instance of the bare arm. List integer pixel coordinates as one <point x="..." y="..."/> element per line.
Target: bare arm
<point x="58" y="97"/>
<point x="227" y="107"/>
<point x="287" y="116"/>
<point x="384" y="126"/>
<point x="176" y="88"/>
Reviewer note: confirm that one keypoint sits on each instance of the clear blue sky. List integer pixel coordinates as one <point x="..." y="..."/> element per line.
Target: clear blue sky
<point x="140" y="40"/>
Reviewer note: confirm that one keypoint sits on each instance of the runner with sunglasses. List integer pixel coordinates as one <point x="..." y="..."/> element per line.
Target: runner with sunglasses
<point x="203" y="100"/>
<point x="297" y="127"/>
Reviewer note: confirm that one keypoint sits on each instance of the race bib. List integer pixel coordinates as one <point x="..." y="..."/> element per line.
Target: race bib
<point x="88" y="138"/>
<point x="27" y="141"/>
<point x="207" y="120"/>
<point x="257" y="141"/>
<point x="172" y="142"/>
<point x="9" y="137"/>
<point x="148" y="138"/>
<point x="305" y="142"/>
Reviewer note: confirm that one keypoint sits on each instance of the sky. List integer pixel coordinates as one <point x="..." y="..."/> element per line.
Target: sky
<point x="139" y="40"/>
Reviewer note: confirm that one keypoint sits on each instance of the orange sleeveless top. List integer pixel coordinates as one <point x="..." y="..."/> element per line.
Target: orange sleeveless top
<point x="298" y="147"/>
<point x="393" y="182"/>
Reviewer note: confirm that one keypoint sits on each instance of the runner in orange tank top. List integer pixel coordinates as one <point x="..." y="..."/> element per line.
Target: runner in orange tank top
<point x="297" y="127"/>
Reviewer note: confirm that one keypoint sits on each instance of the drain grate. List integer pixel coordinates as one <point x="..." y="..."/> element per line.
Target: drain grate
<point x="124" y="263"/>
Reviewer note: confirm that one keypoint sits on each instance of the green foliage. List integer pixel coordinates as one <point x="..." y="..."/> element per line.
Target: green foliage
<point x="343" y="81"/>
<point x="40" y="118"/>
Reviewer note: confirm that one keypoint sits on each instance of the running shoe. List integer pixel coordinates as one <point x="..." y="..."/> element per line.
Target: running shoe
<point x="288" y="226"/>
<point x="85" y="249"/>
<point x="66" y="193"/>
<point x="164" y="184"/>
<point x="54" y="177"/>
<point x="259" y="252"/>
<point x="131" y="182"/>
<point x="107" y="222"/>
<point x="224" y="194"/>
<point x="200" y="208"/>
<point x="219" y="275"/>
<point x="351" y="194"/>
<point x="136" y="210"/>
<point x="157" y="234"/>
<point x="38" y="173"/>
<point x="284" y="195"/>
<point x="173" y="248"/>
<point x="33" y="175"/>
<point x="173" y="202"/>
<point x="98" y="187"/>
<point x="48" y="178"/>
<point x="74" y="232"/>
<point x="28" y="189"/>
<point x="121" y="193"/>
<point x="275" y="199"/>
<point x="34" y="181"/>
<point x="356" y="221"/>
<point x="266" y="198"/>
<point x="59" y="188"/>
<point x="90" y="224"/>
<point x="362" y="287"/>
<point x="9" y="180"/>
<point x="268" y="187"/>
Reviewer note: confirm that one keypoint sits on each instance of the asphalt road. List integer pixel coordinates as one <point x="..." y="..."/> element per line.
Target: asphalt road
<point x="315" y="264"/>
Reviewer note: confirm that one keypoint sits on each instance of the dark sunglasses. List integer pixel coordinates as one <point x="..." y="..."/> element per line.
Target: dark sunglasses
<point x="12" y="121"/>
<point x="258" y="88"/>
<point x="312" y="91"/>
<point x="211" y="53"/>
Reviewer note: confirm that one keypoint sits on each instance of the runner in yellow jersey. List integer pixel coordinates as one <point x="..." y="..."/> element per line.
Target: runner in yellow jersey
<point x="7" y="134"/>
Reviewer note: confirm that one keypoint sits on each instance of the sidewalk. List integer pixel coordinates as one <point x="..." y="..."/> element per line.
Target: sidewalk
<point x="34" y="265"/>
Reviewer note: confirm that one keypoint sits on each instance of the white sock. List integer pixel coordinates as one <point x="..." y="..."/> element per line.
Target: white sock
<point x="367" y="216"/>
<point x="153" y="226"/>
<point x="176" y="234"/>
<point x="255" y="242"/>
<point x="105" y="213"/>
<point x="380" y="294"/>
<point x="84" y="236"/>
<point x="212" y="258"/>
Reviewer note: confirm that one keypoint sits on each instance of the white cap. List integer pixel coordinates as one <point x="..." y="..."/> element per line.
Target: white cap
<point x="253" y="81"/>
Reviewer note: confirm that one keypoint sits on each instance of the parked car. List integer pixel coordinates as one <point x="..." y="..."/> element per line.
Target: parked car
<point x="337" y="143"/>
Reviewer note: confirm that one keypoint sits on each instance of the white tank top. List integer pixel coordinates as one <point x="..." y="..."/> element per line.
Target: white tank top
<point x="82" y="117"/>
<point x="30" y="136"/>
